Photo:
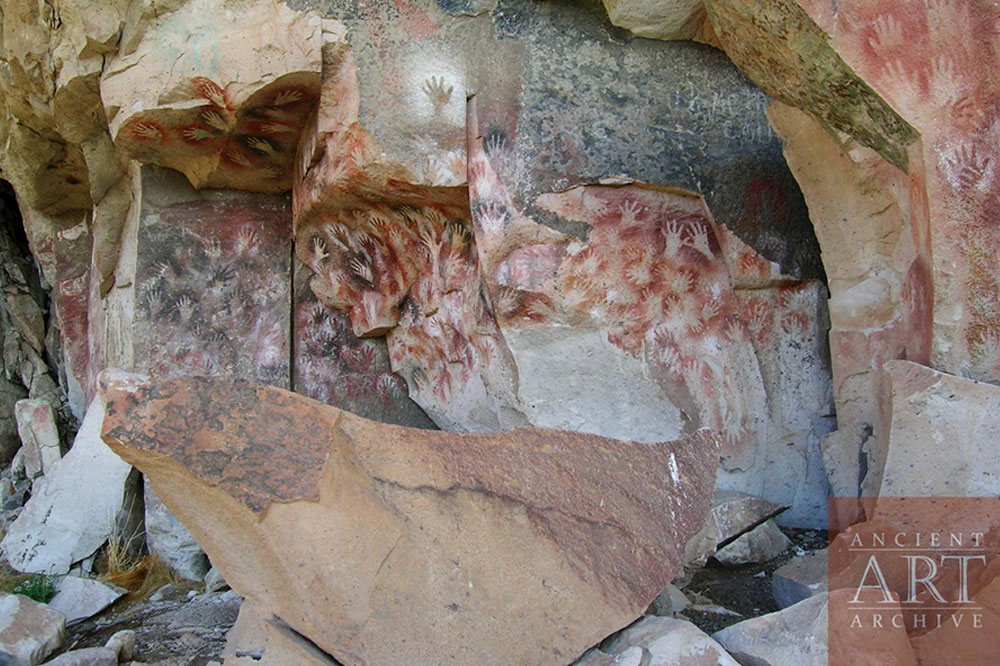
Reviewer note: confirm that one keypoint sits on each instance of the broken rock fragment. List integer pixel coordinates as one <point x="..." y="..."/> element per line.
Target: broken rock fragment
<point x="389" y="545"/>
<point x="85" y="498"/>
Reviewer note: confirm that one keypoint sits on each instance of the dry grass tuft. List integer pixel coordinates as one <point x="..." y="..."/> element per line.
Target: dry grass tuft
<point x="141" y="575"/>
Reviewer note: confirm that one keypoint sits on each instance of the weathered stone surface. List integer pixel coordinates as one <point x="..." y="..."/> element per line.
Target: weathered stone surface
<point x="681" y="19"/>
<point x="523" y="540"/>
<point x="390" y="244"/>
<point x="214" y="582"/>
<point x="36" y="425"/>
<point x="93" y="656"/>
<point x="166" y="537"/>
<point x="913" y="92"/>
<point x="222" y="103"/>
<point x="663" y="641"/>
<point x="787" y="323"/>
<point x="381" y="204"/>
<point x="879" y="280"/>
<point x="29" y="631"/>
<point x="732" y="514"/>
<point x="932" y="410"/>
<point x="672" y="306"/>
<point x="260" y="639"/>
<point x="799" y="635"/>
<point x="77" y="507"/>
<point x="934" y="79"/>
<point x="761" y="544"/>
<point x="800" y="579"/>
<point x="669" y="602"/>
<point x="945" y="644"/>
<point x="123" y="643"/>
<point x="79" y="598"/>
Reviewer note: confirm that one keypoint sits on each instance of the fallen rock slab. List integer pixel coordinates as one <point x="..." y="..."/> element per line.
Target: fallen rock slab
<point x="732" y="514"/>
<point x="29" y="632"/>
<point x="669" y="602"/>
<point x="663" y="641"/>
<point x="932" y="410"/>
<point x="761" y="544"/>
<point x="390" y="545"/>
<point x="800" y="579"/>
<point x="800" y="635"/>
<point x="79" y="598"/>
<point x="77" y="508"/>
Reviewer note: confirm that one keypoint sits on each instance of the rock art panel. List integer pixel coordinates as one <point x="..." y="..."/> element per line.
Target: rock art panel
<point x="538" y="543"/>
<point x="918" y="77"/>
<point x="223" y="104"/>
<point x="930" y="62"/>
<point x="650" y="279"/>
<point x="212" y="282"/>
<point x="336" y="367"/>
<point x="396" y="253"/>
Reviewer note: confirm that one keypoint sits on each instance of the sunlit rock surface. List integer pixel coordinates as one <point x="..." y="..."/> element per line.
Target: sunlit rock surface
<point x="391" y="545"/>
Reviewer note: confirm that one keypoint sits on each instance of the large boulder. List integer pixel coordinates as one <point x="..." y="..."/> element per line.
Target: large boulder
<point x="87" y="497"/>
<point x="390" y="545"/>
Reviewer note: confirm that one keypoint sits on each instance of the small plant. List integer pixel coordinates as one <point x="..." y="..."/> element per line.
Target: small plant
<point x="39" y="588"/>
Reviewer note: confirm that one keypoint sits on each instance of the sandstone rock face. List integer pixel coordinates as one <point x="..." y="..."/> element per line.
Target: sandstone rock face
<point x="537" y="543"/>
<point x="382" y="220"/>
<point x="29" y="631"/>
<point x="78" y="505"/>
<point x="334" y="366"/>
<point x="683" y="19"/>
<point x="365" y="118"/>
<point x="259" y="639"/>
<point x="879" y="281"/>
<point x="920" y="280"/>
<point x="216" y="302"/>
<point x="932" y="410"/>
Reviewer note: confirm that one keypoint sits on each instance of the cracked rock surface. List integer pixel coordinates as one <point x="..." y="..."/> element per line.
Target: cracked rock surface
<point x="392" y="545"/>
